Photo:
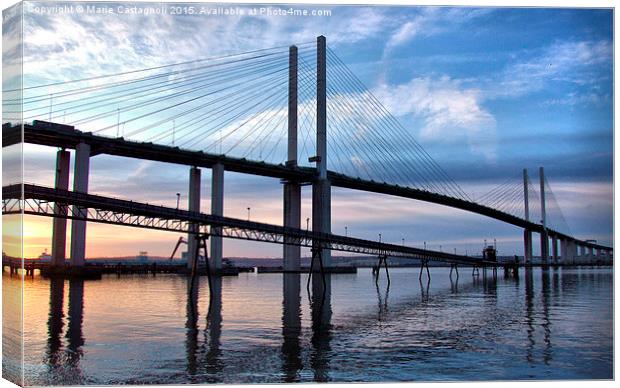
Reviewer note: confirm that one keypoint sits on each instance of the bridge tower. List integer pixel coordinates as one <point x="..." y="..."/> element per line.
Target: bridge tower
<point x="80" y="185"/>
<point x="292" y="190"/>
<point x="321" y="187"/>
<point x="544" y="236"/>
<point x="527" y="234"/>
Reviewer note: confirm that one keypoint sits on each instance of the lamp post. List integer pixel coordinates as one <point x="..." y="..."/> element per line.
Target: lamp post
<point x="379" y="237"/>
<point x="403" y="241"/>
<point x="346" y="231"/>
<point x="178" y="200"/>
<point x="307" y="224"/>
<point x="248" y="213"/>
<point x="424" y="245"/>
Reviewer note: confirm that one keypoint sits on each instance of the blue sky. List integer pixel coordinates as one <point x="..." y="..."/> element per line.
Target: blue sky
<point x="486" y="91"/>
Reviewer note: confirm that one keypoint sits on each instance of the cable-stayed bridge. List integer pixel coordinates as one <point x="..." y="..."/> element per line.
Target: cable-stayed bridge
<point x="295" y="113"/>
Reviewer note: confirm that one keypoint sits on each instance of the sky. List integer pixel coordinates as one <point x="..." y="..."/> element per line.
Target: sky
<point x="486" y="92"/>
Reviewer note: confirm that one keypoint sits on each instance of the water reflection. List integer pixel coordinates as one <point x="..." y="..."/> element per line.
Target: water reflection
<point x="291" y="327"/>
<point x="321" y="311"/>
<point x="382" y="301"/>
<point x="67" y="363"/>
<point x="529" y="313"/>
<point x="424" y="287"/>
<point x="211" y="345"/>
<point x="191" y="325"/>
<point x="454" y="285"/>
<point x="214" y="330"/>
<point x="548" y="313"/>
<point x="55" y="323"/>
<point x="489" y="284"/>
<point x="546" y="324"/>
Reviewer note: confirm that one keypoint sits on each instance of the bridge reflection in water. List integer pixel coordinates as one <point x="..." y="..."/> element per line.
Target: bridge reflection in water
<point x="525" y="316"/>
<point x="67" y="361"/>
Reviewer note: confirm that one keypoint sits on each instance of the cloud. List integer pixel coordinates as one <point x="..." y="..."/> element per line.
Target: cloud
<point x="431" y="21"/>
<point x="70" y="46"/>
<point x="576" y="99"/>
<point x="575" y="62"/>
<point x="449" y="112"/>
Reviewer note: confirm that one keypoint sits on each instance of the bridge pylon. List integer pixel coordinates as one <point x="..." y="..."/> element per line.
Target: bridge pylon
<point x="321" y="187"/>
<point x="544" y="236"/>
<point x="527" y="234"/>
<point x="292" y="190"/>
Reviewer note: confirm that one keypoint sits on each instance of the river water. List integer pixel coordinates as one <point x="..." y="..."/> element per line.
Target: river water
<point x="551" y="324"/>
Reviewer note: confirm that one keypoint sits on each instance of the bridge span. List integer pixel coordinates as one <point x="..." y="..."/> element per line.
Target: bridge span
<point x="66" y="137"/>
<point x="50" y="202"/>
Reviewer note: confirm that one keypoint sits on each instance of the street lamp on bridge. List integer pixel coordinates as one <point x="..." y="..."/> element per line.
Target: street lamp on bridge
<point x="248" y="213"/>
<point x="178" y="200"/>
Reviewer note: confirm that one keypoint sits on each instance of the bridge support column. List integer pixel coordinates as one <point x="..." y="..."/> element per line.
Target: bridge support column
<point x="563" y="251"/>
<point x="544" y="246"/>
<point x="193" y="206"/>
<point x="292" y="219"/>
<point x="571" y="251"/>
<point x="321" y="213"/>
<point x="80" y="184"/>
<point x="217" y="209"/>
<point x="527" y="246"/>
<point x="554" y="249"/>
<point x="321" y="188"/>
<point x="292" y="190"/>
<point x="59" y="224"/>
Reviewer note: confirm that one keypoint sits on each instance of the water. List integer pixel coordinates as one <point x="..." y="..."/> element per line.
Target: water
<point x="555" y="324"/>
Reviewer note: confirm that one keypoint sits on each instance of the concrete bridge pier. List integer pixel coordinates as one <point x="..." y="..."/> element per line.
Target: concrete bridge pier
<point x="563" y="251"/>
<point x="80" y="184"/>
<point x="292" y="190"/>
<point x="527" y="246"/>
<point x="544" y="246"/>
<point x="571" y="251"/>
<point x="217" y="209"/>
<point x="554" y="249"/>
<point x="59" y="224"/>
<point x="193" y="206"/>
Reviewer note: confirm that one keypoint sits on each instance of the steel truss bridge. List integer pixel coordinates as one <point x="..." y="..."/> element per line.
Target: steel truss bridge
<point x="50" y="202"/>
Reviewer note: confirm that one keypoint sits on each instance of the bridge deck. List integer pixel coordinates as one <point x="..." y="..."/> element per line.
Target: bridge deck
<point x="44" y="201"/>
